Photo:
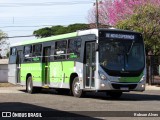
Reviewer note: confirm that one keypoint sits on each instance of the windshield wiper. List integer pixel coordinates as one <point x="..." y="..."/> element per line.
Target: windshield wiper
<point x="130" y="48"/>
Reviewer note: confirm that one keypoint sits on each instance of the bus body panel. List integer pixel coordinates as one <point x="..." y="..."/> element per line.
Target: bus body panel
<point x="60" y="73"/>
<point x="79" y="69"/>
<point x="35" y="69"/>
<point x="61" y="70"/>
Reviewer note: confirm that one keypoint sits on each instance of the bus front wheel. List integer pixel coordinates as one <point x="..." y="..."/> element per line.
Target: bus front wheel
<point x="77" y="92"/>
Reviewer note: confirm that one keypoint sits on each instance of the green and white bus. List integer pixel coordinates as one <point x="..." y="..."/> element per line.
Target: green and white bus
<point x="109" y="60"/>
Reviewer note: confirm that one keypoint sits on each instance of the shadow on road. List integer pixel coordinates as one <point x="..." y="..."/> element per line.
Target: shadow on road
<point x="128" y="96"/>
<point x="18" y="107"/>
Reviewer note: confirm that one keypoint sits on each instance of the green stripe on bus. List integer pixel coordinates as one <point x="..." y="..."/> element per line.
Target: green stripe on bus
<point x="131" y="79"/>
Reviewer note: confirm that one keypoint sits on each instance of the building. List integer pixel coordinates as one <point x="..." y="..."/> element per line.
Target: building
<point x="3" y="70"/>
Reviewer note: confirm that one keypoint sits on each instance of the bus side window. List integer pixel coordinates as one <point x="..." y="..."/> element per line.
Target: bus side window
<point x="37" y="52"/>
<point x="74" y="48"/>
<point x="13" y="51"/>
<point x="60" y="49"/>
<point x="28" y="53"/>
<point x="12" y="58"/>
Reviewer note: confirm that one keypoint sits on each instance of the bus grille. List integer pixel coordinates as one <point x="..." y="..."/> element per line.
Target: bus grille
<point x="129" y="86"/>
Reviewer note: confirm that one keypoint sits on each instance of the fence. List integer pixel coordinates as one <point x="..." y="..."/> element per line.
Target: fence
<point x="153" y="69"/>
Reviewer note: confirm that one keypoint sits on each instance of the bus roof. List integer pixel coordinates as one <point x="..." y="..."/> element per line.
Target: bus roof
<point x="69" y="35"/>
<point x="57" y="37"/>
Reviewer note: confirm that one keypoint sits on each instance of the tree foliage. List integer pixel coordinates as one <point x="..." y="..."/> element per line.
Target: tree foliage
<point x="4" y="44"/>
<point x="112" y="11"/>
<point x="138" y="15"/>
<point x="56" y="30"/>
<point x="147" y="21"/>
<point x="2" y="35"/>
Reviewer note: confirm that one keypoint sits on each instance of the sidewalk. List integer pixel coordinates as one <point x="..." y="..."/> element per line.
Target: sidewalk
<point x="152" y="87"/>
<point x="16" y="89"/>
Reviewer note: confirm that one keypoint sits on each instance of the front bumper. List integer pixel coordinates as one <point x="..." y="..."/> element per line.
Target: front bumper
<point x="107" y="85"/>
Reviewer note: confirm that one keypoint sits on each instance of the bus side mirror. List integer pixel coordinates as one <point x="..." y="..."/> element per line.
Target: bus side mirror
<point x="96" y="46"/>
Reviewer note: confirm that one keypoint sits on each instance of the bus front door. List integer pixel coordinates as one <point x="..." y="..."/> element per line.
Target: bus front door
<point x="18" y="62"/>
<point x="90" y="65"/>
<point x="46" y="65"/>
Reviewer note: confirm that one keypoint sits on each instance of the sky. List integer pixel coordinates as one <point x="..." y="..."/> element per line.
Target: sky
<point x="22" y="17"/>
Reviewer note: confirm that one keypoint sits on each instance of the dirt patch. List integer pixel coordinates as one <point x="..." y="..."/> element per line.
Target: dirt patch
<point x="7" y="85"/>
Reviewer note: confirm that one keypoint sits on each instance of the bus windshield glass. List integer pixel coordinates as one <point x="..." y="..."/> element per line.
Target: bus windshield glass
<point x="121" y="55"/>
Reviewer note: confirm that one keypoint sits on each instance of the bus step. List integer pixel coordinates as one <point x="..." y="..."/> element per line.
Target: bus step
<point x="45" y="86"/>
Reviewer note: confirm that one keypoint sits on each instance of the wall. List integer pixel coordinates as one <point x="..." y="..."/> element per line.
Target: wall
<point x="3" y="72"/>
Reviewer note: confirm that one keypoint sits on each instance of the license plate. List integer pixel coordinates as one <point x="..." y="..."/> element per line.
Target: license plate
<point x="124" y="88"/>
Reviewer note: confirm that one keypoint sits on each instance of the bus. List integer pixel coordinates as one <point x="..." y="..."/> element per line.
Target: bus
<point x="109" y="60"/>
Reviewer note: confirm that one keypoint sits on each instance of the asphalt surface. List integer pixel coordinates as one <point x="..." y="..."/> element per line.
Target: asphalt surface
<point x="16" y="99"/>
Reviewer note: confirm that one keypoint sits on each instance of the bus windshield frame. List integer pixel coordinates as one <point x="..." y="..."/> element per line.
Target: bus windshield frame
<point x="121" y="53"/>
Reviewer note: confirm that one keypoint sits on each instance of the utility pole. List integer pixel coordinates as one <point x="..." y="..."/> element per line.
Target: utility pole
<point x="97" y="15"/>
<point x="13" y="20"/>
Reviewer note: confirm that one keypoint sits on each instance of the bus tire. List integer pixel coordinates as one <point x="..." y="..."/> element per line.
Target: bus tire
<point x="76" y="91"/>
<point x="114" y="94"/>
<point x="30" y="88"/>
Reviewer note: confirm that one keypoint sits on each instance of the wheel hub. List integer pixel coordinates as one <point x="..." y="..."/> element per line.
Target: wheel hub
<point x="77" y="87"/>
<point x="29" y="85"/>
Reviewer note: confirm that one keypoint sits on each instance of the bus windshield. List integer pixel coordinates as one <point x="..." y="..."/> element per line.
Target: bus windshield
<point x="121" y="55"/>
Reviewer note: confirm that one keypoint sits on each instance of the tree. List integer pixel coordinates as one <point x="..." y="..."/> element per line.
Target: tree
<point x="112" y="11"/>
<point x="138" y="15"/>
<point x="56" y="30"/>
<point x="43" y="32"/>
<point x="4" y="44"/>
<point x="146" y="19"/>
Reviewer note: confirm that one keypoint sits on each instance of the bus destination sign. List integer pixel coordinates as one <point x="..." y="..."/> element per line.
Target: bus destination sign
<point x="120" y="36"/>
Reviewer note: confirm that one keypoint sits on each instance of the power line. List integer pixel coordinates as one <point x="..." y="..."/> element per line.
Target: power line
<point x="26" y="26"/>
<point x="44" y="3"/>
<point x="19" y="30"/>
<point x="32" y="3"/>
<point x="45" y="21"/>
<point x="19" y="36"/>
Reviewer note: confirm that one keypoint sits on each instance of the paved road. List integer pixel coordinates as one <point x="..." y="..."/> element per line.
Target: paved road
<point x="18" y="100"/>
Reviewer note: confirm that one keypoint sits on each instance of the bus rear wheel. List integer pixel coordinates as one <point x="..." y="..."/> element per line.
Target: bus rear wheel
<point x="29" y="85"/>
<point x="30" y="88"/>
<point x="114" y="94"/>
<point x="77" y="92"/>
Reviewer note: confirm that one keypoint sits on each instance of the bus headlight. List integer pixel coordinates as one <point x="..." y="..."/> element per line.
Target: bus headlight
<point x="143" y="86"/>
<point x="102" y="75"/>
